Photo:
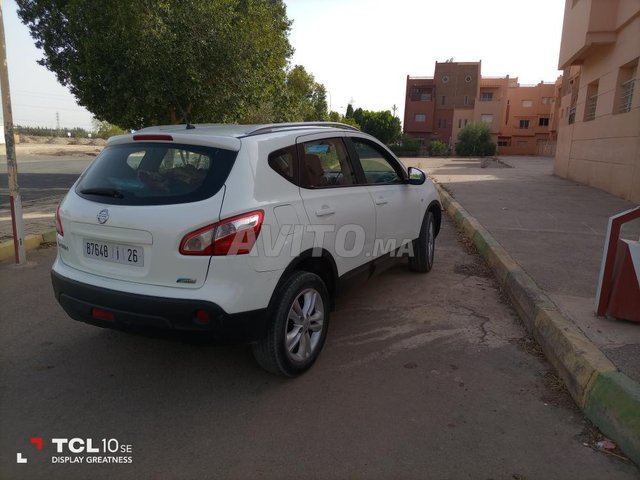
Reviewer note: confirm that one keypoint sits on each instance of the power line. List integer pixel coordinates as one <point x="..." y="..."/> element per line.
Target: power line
<point x="45" y="107"/>
<point x="31" y="92"/>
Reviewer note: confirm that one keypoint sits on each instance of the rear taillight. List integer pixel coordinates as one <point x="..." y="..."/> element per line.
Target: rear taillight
<point x="59" y="228"/>
<point x="233" y="236"/>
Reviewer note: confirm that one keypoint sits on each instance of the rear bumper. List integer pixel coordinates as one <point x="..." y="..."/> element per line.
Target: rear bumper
<point x="134" y="311"/>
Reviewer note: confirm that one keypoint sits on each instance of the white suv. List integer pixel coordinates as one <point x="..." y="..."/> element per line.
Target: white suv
<point x="240" y="232"/>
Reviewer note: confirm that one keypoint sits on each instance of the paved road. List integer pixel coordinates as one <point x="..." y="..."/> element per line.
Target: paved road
<point x="423" y="376"/>
<point x="42" y="176"/>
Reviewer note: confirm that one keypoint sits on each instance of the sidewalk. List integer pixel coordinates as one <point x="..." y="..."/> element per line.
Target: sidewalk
<point x="554" y="229"/>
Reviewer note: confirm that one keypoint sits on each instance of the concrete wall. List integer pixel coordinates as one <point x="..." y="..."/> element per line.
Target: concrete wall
<point x="603" y="151"/>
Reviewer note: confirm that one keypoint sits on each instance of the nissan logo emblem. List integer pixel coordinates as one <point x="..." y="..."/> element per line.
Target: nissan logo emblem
<point x="103" y="216"/>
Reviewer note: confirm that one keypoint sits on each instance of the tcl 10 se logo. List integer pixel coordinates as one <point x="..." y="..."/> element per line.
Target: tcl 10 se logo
<point x="84" y="450"/>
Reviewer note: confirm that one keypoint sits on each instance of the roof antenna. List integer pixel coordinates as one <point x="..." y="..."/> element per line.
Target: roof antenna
<point x="185" y="117"/>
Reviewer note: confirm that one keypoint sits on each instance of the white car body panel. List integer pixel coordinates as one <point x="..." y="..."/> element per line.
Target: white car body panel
<point x="158" y="230"/>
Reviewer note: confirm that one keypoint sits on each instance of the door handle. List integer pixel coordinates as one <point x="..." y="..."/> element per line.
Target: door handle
<point x="381" y="201"/>
<point x="325" y="210"/>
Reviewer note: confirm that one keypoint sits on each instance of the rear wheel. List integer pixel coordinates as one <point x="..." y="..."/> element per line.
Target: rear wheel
<point x="424" y="246"/>
<point x="298" y="327"/>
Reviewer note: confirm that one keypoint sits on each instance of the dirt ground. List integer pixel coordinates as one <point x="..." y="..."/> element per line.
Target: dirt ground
<point x="58" y="147"/>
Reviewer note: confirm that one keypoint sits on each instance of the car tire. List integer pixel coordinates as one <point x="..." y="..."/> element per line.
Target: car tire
<point x="424" y="246"/>
<point x="298" y="326"/>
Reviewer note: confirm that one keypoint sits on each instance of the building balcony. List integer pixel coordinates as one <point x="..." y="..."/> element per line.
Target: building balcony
<point x="587" y="23"/>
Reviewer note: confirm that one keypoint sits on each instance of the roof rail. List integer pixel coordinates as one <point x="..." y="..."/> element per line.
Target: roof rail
<point x="283" y="126"/>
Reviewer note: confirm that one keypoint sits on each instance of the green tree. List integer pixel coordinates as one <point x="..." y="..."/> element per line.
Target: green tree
<point x="103" y="129"/>
<point x="134" y="64"/>
<point x="334" y="116"/>
<point x="349" y="113"/>
<point x="474" y="140"/>
<point x="437" y="148"/>
<point x="304" y="98"/>
<point x="382" y="125"/>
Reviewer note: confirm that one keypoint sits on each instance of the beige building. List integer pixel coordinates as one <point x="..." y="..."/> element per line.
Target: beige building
<point x="520" y="116"/>
<point x="599" y="113"/>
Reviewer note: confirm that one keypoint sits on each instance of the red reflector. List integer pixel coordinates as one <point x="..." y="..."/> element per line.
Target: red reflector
<point x="202" y="317"/>
<point x="102" y="314"/>
<point x="151" y="136"/>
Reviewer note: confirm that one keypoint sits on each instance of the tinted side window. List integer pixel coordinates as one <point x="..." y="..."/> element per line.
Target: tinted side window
<point x="325" y="164"/>
<point x="283" y="162"/>
<point x="375" y="165"/>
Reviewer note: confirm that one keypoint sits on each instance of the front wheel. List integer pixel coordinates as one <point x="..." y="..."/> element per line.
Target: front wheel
<point x="424" y="246"/>
<point x="298" y="327"/>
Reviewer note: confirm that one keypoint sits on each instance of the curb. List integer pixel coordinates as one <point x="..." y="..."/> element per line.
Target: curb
<point x="610" y="399"/>
<point x="30" y="242"/>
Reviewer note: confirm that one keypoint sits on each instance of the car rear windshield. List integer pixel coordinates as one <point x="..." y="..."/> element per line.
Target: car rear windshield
<point x="155" y="174"/>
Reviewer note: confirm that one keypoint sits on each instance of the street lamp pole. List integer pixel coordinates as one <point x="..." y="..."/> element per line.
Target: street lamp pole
<point x="12" y="166"/>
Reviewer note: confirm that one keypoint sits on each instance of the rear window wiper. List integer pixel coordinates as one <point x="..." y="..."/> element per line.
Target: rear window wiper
<point x="104" y="192"/>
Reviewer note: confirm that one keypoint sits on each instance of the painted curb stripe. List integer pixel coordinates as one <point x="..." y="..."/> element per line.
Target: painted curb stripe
<point x="610" y="399"/>
<point x="30" y="241"/>
<point x="613" y="406"/>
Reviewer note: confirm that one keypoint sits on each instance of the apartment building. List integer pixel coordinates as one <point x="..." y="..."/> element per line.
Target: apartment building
<point x="419" y="108"/>
<point x="599" y="121"/>
<point x="526" y="127"/>
<point x="520" y="116"/>
<point x="435" y="105"/>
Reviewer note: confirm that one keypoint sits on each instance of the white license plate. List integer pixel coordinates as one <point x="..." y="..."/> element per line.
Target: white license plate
<point x="114" y="252"/>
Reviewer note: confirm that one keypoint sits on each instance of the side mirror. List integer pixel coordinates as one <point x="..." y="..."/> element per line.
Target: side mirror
<point x="416" y="176"/>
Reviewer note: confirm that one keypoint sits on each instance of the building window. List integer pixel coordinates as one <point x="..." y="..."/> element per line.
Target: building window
<point x="572" y="115"/>
<point x="466" y="99"/>
<point x="624" y="89"/>
<point x="527" y="103"/>
<point x="486" y="96"/>
<point x="543" y="122"/>
<point x="421" y="117"/>
<point x="445" y="79"/>
<point x="443" y="100"/>
<point x="465" y="122"/>
<point x="486" y="118"/>
<point x="524" y="124"/>
<point x="504" y="141"/>
<point x="592" y="102"/>
<point x="420" y="94"/>
<point x="442" y="123"/>
<point x="626" y="95"/>
<point x="547" y="100"/>
<point x="459" y="123"/>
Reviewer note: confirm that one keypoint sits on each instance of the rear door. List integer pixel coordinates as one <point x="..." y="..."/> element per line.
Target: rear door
<point x="128" y="212"/>
<point x="340" y="212"/>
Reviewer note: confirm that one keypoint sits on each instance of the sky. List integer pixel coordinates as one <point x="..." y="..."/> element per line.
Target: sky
<point x="361" y="50"/>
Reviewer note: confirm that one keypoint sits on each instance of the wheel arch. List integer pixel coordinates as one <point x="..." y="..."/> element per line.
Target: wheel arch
<point x="436" y="209"/>
<point x="314" y="260"/>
